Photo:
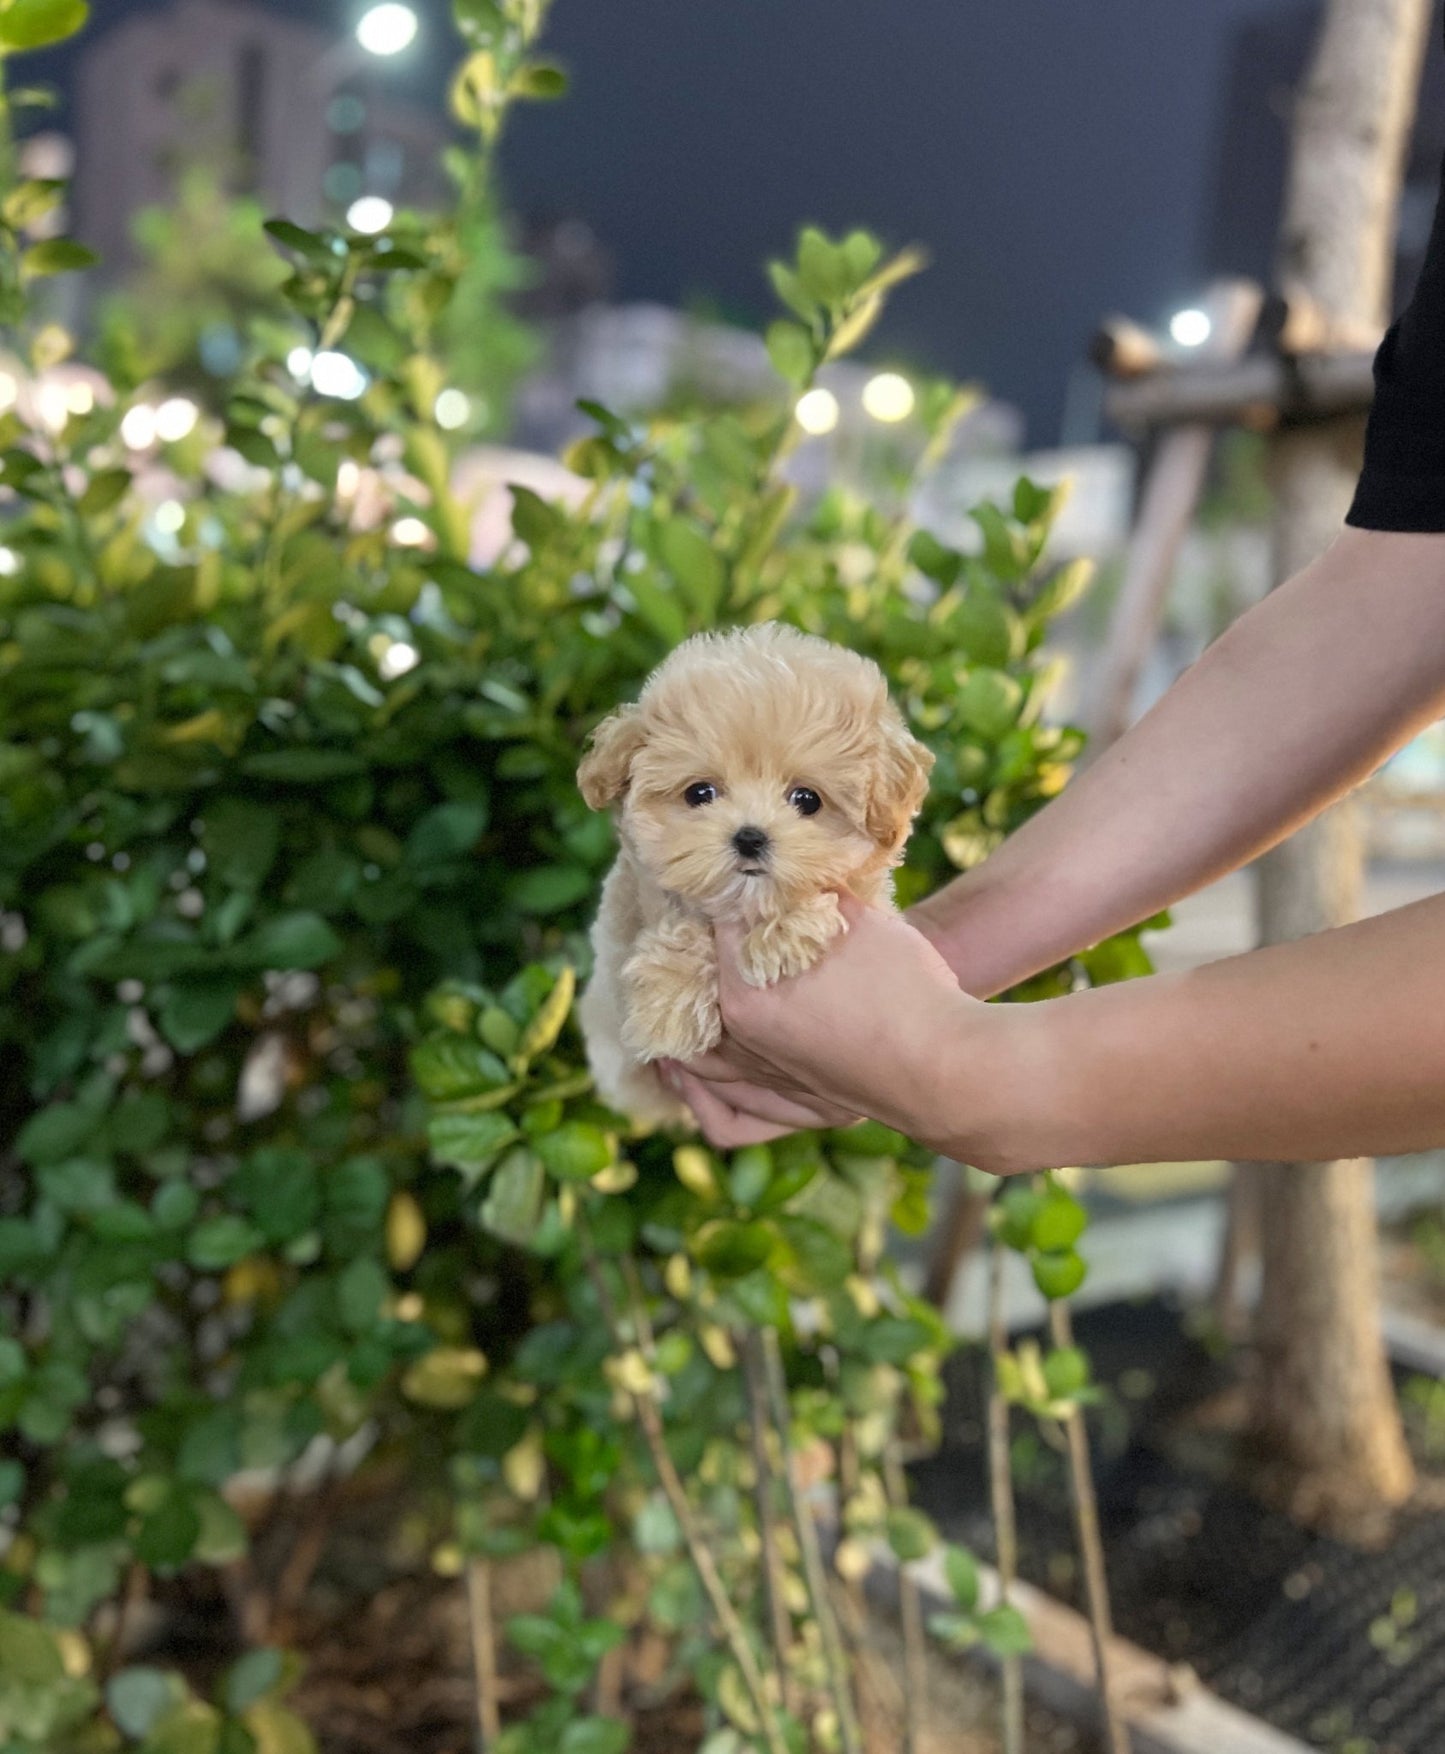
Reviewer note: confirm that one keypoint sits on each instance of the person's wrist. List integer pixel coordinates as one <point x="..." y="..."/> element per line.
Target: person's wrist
<point x="980" y="925"/>
<point x="1007" y="1090"/>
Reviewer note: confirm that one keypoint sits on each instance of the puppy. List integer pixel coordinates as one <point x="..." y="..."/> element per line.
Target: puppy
<point x="760" y="771"/>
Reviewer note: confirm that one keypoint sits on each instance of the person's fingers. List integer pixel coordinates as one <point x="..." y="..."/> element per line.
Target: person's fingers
<point x="722" y="1125"/>
<point x="793" y="1110"/>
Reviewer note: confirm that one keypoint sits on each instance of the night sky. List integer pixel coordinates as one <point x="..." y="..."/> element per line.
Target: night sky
<point x="1058" y="159"/>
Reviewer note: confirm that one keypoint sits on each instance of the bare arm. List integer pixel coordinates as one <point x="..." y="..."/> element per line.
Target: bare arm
<point x="1324" y="1048"/>
<point x="1299" y="701"/>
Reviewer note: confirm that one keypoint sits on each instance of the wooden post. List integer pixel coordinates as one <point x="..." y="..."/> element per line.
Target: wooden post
<point x="1166" y="510"/>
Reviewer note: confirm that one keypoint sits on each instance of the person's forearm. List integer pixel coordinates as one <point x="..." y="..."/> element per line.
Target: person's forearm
<point x="1333" y="1046"/>
<point x="1300" y="700"/>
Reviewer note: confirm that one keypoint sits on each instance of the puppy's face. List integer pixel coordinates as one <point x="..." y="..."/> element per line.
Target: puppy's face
<point x="759" y="768"/>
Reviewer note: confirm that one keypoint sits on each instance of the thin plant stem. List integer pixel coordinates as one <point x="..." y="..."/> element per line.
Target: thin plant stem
<point x="910" y="1615"/>
<point x="1091" y="1546"/>
<point x="814" y="1576"/>
<point x="1001" y="1494"/>
<point x="780" y="1625"/>
<point x="649" y="1422"/>
<point x="484" y="1653"/>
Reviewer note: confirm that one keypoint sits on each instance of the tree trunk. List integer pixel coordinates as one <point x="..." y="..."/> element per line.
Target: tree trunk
<point x="1325" y="1414"/>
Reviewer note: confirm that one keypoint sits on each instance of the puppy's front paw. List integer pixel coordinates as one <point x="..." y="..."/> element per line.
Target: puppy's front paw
<point x="670" y="983"/>
<point x="788" y="946"/>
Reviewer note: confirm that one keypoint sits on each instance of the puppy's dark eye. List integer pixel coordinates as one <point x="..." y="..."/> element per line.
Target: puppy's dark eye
<point x="805" y="801"/>
<point x="702" y="793"/>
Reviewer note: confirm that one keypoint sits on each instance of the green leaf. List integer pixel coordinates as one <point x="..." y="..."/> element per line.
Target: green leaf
<point x="104" y="491"/>
<point x="167" y="1537"/>
<point x="728" y="1249"/>
<point x="575" y="1152"/>
<point x="470" y="1142"/>
<point x="538" y="80"/>
<point x="1005" y="1631"/>
<point x="290" y="941"/>
<point x="961" y="1569"/>
<point x="137" y="1698"/>
<point x="910" y="1534"/>
<point x="1059" y="1275"/>
<point x="449" y="831"/>
<point x="221" y="1242"/>
<point x="241" y="841"/>
<point x="749" y="1173"/>
<point x="594" y="1735"/>
<point x="253" y="1676"/>
<point x="312" y="245"/>
<point x="513" y="1207"/>
<point x="194" y="1012"/>
<point x="51" y="255"/>
<point x="33" y="24"/>
<point x="1058" y="1222"/>
<point x="1066" y="1371"/>
<point x="988" y="702"/>
<point x="549" y="888"/>
<point x="450" y="1068"/>
<point x="56" y="1132"/>
<point x="690" y="557"/>
<point x="791" y="350"/>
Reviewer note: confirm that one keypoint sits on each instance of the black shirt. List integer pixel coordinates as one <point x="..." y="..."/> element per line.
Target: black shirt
<point x="1403" y="483"/>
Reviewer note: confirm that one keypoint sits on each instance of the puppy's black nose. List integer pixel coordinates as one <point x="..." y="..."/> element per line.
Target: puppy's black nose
<point x="750" y="843"/>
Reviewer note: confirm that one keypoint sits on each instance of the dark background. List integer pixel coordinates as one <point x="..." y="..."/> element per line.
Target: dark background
<point x="1059" y="160"/>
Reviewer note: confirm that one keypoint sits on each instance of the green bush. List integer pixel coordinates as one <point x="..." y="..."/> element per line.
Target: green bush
<point x="298" y="1141"/>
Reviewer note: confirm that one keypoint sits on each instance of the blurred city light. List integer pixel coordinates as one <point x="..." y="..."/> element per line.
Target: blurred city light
<point x="333" y="374"/>
<point x="176" y="418"/>
<point x="817" y="412"/>
<point x="1191" y="328"/>
<point x="138" y="429"/>
<point x="53" y="406"/>
<point x="387" y="29"/>
<point x="453" y="410"/>
<point x="888" y="397"/>
<point x="370" y="214"/>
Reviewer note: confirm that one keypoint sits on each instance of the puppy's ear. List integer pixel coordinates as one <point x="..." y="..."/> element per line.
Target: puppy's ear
<point x="602" y="776"/>
<point x="898" y="785"/>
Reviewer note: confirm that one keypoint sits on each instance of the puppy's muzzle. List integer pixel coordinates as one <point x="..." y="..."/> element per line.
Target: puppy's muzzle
<point x="751" y="845"/>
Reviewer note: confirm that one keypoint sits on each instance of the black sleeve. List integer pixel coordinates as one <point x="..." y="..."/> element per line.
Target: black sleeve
<point x="1402" y="486"/>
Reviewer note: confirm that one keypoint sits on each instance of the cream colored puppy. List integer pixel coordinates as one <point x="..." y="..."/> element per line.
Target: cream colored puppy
<point x="759" y="772"/>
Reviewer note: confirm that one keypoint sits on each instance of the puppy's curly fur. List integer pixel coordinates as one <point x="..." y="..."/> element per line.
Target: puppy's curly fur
<point x="759" y="772"/>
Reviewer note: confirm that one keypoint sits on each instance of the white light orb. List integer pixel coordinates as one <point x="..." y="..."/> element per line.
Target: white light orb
<point x="79" y="396"/>
<point x="176" y="418"/>
<point x="170" y="517"/>
<point x="387" y="29"/>
<point x="52" y="404"/>
<point x="888" y="397"/>
<point x="410" y="533"/>
<point x="138" y="429"/>
<point x="9" y="391"/>
<point x="817" y="412"/>
<point x="334" y="374"/>
<point x="9" y="563"/>
<point x="453" y="410"/>
<point x="397" y="659"/>
<point x="1191" y="328"/>
<point x="298" y="363"/>
<point x="370" y="214"/>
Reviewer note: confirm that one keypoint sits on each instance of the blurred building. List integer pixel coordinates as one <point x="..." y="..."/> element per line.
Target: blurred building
<point x="300" y="117"/>
<point x="1270" y="57"/>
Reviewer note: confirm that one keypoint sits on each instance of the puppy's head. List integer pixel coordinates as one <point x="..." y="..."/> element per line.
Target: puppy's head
<point x="758" y="768"/>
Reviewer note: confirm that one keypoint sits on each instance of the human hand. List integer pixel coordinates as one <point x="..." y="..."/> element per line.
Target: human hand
<point x="871" y="1029"/>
